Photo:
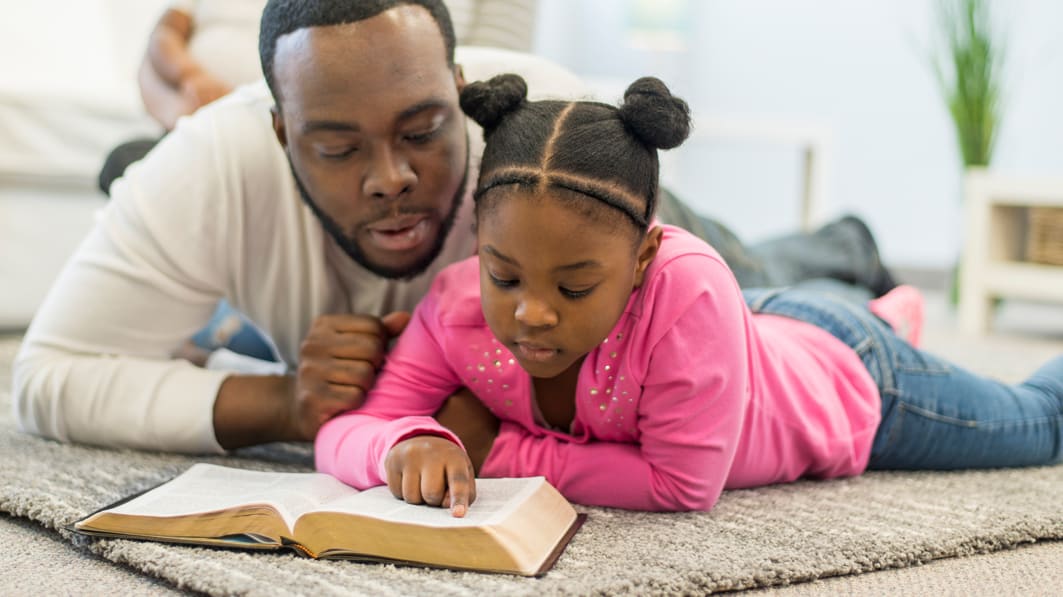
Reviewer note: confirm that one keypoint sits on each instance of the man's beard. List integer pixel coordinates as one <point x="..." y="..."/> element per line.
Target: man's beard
<point x="351" y="248"/>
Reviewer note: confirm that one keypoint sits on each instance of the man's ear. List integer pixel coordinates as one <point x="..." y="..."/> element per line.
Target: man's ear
<point x="278" y="126"/>
<point x="647" y="251"/>
<point x="459" y="77"/>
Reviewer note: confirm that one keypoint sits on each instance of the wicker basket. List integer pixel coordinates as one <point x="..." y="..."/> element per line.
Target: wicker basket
<point x="1044" y="235"/>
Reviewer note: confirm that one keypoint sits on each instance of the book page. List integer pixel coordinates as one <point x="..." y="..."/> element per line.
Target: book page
<point x="209" y="488"/>
<point x="495" y="500"/>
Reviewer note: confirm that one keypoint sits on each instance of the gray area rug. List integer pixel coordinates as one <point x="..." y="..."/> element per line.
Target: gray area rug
<point x="754" y="538"/>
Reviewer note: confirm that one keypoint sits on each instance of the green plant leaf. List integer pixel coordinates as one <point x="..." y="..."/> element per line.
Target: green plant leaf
<point x="968" y="69"/>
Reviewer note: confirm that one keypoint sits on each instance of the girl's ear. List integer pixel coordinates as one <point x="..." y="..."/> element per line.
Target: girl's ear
<point x="647" y="251"/>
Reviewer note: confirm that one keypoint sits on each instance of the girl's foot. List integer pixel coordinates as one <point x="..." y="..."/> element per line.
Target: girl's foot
<point x="902" y="308"/>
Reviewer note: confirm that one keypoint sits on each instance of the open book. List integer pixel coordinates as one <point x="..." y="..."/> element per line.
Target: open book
<point x="517" y="526"/>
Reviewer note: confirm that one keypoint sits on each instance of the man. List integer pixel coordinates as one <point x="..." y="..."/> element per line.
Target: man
<point x="350" y="213"/>
<point x="322" y="213"/>
<point x="200" y="50"/>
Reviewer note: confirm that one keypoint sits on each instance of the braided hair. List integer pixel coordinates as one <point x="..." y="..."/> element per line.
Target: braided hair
<point x="577" y="149"/>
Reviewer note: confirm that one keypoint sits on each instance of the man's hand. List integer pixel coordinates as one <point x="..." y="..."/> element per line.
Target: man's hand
<point x="426" y="469"/>
<point x="338" y="361"/>
<point x="337" y="366"/>
<point x="200" y="88"/>
<point x="474" y="424"/>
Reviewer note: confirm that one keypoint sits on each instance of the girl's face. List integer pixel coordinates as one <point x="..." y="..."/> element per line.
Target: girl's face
<point x="553" y="281"/>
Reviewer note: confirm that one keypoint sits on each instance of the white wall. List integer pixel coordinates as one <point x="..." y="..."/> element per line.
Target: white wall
<point x="857" y="69"/>
<point x="67" y="95"/>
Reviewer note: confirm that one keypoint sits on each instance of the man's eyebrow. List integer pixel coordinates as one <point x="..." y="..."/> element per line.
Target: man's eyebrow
<point x="428" y="104"/>
<point x="589" y="263"/>
<point x="337" y="126"/>
<point x="313" y="126"/>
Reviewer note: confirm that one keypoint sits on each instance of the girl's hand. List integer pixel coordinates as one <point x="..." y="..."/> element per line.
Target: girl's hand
<point x="427" y="469"/>
<point x="474" y="424"/>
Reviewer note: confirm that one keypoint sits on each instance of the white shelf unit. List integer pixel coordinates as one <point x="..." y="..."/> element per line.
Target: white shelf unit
<point x="993" y="265"/>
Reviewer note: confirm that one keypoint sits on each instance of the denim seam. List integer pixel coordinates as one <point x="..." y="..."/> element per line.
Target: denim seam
<point x="929" y="414"/>
<point x="878" y="356"/>
<point x="758" y="304"/>
<point x="922" y="370"/>
<point x="892" y="437"/>
<point x="986" y="425"/>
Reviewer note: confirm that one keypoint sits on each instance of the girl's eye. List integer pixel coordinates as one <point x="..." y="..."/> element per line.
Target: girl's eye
<point x="502" y="282"/>
<point x="575" y="294"/>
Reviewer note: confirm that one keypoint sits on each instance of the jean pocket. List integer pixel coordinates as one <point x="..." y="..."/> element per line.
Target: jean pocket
<point x="916" y="438"/>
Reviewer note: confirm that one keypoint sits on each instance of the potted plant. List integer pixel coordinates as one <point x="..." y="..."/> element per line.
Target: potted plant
<point x="968" y="65"/>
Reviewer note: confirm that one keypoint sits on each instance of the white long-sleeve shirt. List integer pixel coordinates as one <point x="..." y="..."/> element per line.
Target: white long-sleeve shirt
<point x="212" y="212"/>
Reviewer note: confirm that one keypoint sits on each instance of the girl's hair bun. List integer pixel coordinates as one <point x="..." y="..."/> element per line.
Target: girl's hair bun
<point x="650" y="111"/>
<point x="487" y="102"/>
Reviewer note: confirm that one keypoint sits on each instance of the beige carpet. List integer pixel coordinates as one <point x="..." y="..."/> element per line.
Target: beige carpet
<point x="760" y="538"/>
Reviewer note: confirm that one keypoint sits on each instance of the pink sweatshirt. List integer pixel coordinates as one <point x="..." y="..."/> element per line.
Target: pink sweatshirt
<point x="689" y="395"/>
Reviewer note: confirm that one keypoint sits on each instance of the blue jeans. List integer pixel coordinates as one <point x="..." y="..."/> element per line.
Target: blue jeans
<point x="935" y="415"/>
<point x="245" y="339"/>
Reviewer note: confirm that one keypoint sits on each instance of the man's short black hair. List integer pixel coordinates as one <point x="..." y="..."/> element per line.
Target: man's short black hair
<point x="281" y="17"/>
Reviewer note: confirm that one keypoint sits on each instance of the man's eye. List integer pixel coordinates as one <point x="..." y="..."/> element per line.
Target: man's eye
<point x="337" y="154"/>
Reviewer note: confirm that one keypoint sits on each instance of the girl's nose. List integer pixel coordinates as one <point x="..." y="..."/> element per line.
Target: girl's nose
<point x="535" y="313"/>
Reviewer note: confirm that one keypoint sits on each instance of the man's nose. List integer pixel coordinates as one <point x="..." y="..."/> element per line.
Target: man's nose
<point x="389" y="175"/>
<point x="533" y="312"/>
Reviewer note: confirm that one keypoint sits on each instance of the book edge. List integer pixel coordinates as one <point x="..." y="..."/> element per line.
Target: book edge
<point x="196" y="541"/>
<point x="559" y="549"/>
<point x="73" y="525"/>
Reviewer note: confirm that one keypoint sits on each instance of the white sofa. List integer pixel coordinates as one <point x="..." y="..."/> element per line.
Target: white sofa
<point x="67" y="96"/>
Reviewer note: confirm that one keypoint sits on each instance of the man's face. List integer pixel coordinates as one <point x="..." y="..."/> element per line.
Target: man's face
<point x="370" y="120"/>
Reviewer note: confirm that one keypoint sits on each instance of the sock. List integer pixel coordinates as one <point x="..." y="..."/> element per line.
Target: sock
<point x="902" y="308"/>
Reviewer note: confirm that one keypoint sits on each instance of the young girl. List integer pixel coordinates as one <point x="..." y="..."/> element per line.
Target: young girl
<point x="623" y="362"/>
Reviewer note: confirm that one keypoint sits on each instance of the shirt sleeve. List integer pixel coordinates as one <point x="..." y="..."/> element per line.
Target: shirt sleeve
<point x="695" y="391"/>
<point x="96" y="365"/>
<point x="413" y="384"/>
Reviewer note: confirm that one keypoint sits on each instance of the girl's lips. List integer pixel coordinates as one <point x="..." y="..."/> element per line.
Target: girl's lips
<point x="400" y="236"/>
<point x="535" y="353"/>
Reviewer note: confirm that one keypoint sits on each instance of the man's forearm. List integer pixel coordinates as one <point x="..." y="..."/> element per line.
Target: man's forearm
<point x="254" y="409"/>
<point x="168" y="48"/>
